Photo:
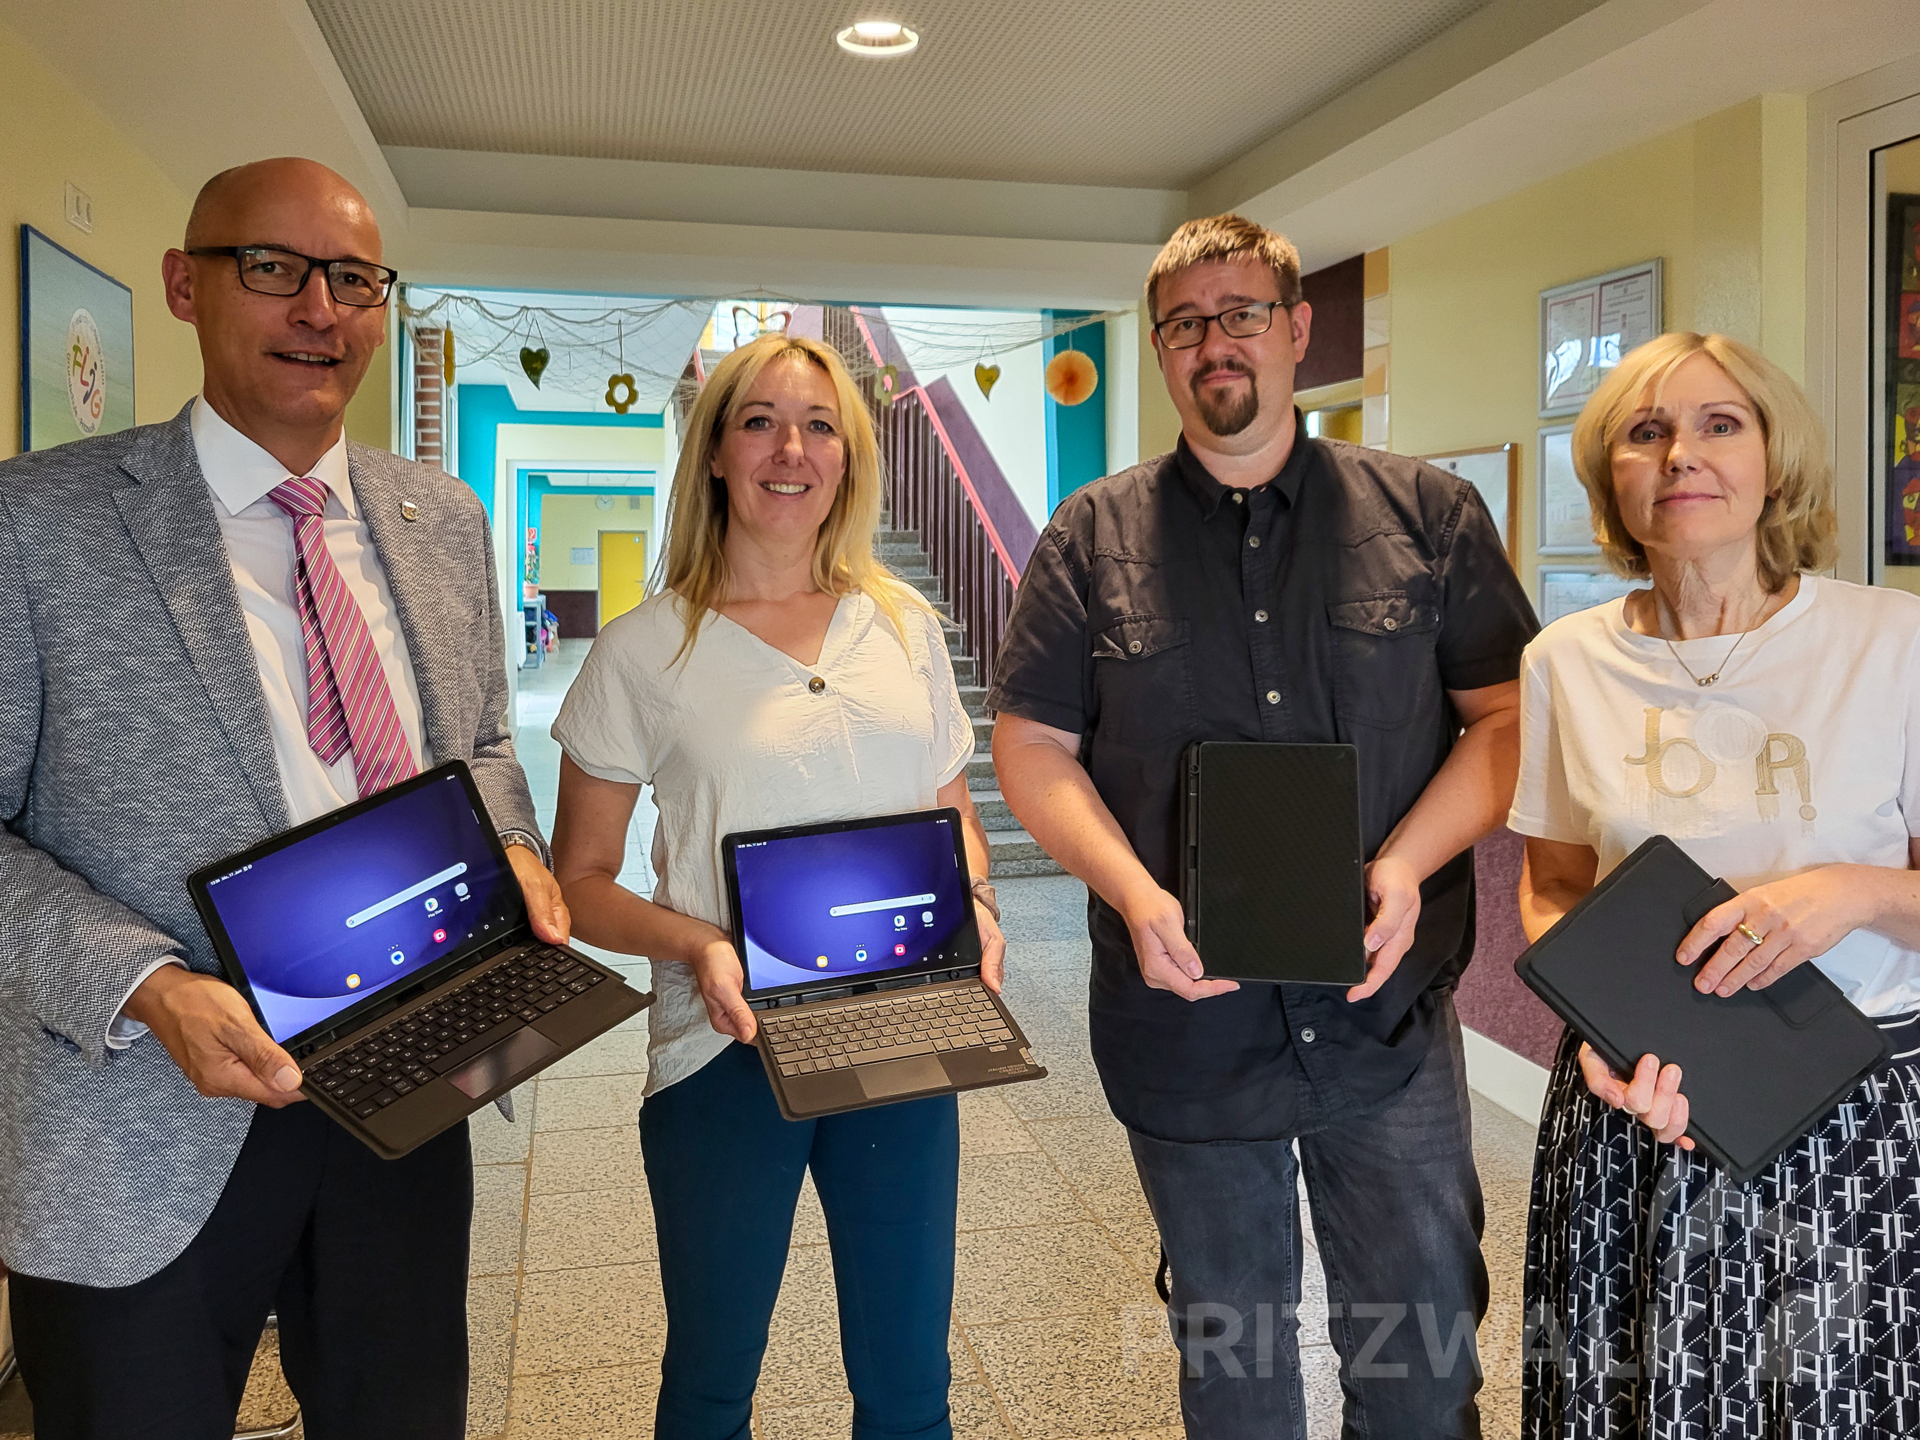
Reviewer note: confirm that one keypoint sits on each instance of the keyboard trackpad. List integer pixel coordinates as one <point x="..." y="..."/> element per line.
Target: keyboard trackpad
<point x="902" y="1077"/>
<point x="519" y="1054"/>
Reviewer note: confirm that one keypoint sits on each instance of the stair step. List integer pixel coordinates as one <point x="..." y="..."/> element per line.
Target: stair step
<point x="884" y="538"/>
<point x="963" y="669"/>
<point x="1015" y="852"/>
<point x="974" y="697"/>
<point x="982" y="733"/>
<point x="980" y="774"/>
<point x="995" y="813"/>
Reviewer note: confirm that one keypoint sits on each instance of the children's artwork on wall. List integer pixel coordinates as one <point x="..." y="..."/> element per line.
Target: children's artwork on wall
<point x="76" y="347"/>
<point x="1901" y="412"/>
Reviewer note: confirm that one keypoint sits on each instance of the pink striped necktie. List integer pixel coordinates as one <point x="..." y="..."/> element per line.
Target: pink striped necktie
<point x="349" y="704"/>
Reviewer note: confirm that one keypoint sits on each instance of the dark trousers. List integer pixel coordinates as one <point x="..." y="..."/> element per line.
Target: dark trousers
<point x="724" y="1168"/>
<point x="1398" y="1216"/>
<point x="364" y="1259"/>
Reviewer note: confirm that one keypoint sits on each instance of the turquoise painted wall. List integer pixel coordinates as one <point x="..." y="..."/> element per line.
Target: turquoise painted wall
<point x="1076" y="434"/>
<point x="483" y="409"/>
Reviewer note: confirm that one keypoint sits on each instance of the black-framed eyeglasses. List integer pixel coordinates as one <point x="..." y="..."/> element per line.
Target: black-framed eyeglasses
<point x="268" y="271"/>
<point x="1242" y="322"/>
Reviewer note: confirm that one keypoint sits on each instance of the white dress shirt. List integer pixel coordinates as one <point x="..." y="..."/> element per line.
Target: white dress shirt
<point x="260" y="548"/>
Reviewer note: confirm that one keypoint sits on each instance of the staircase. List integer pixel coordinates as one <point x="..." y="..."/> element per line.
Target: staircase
<point x="1015" y="852"/>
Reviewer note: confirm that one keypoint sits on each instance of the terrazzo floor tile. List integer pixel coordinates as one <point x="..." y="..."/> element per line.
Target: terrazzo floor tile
<point x="809" y="1220"/>
<point x="618" y="1052"/>
<point x="1003" y="1275"/>
<point x="1320" y="1378"/>
<point x="802" y="1364"/>
<point x="499" y="1217"/>
<point x="1073" y="1376"/>
<point x="491" y="1302"/>
<point x="988" y="1125"/>
<point x="1071" y="957"/>
<point x="268" y="1402"/>
<point x="610" y="1315"/>
<point x="998" y="1191"/>
<point x="1092" y="1152"/>
<point x="1500" y="1413"/>
<point x="591" y="1227"/>
<point x="613" y="1404"/>
<point x="1052" y="907"/>
<point x="975" y="1414"/>
<point x="1072" y="1087"/>
<point x="574" y="1160"/>
<point x="497" y="1140"/>
<point x="594" y="1102"/>
<point x="16" y="1411"/>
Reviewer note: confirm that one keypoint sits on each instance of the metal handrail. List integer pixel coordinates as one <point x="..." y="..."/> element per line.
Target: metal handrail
<point x="929" y="491"/>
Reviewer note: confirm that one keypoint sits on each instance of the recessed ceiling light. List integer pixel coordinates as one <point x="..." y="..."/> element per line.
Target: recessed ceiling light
<point x="878" y="38"/>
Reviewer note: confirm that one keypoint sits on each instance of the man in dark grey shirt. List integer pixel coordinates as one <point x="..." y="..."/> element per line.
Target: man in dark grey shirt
<point x="1257" y="584"/>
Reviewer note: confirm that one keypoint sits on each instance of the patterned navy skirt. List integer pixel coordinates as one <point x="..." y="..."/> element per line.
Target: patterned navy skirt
<point x="1665" y="1301"/>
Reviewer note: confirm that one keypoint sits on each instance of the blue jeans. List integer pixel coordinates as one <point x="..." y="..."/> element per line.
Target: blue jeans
<point x="724" y="1168"/>
<point x="1397" y="1212"/>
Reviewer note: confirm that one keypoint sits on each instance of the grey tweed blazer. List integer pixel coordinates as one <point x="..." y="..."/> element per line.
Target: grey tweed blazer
<point x="134" y="748"/>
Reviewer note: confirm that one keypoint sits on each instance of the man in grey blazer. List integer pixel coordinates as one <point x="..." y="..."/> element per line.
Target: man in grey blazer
<point x="160" y="1189"/>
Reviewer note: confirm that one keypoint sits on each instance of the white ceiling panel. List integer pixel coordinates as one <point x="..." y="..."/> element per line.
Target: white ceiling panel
<point x="1101" y="92"/>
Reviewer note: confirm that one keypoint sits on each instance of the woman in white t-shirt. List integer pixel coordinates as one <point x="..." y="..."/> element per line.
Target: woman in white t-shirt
<point x="1768" y="720"/>
<point x="781" y="676"/>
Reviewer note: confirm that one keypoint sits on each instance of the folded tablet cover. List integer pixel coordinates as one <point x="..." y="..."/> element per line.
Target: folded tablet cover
<point x="1273" y="880"/>
<point x="1758" y="1067"/>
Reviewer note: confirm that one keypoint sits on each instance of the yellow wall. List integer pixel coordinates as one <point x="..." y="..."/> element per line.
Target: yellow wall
<point x="1721" y="201"/>
<point x="54" y="136"/>
<point x="567" y="521"/>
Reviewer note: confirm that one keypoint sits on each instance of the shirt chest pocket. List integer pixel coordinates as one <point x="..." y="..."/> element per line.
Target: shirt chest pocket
<point x="1382" y="657"/>
<point x="1143" y="676"/>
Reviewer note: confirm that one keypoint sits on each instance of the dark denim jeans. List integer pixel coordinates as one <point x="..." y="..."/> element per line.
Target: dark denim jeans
<point x="1397" y="1215"/>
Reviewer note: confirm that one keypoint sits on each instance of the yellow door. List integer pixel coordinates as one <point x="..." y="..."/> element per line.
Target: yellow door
<point x="623" y="571"/>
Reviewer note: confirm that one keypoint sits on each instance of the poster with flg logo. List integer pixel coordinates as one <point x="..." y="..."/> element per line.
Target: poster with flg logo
<point x="76" y="342"/>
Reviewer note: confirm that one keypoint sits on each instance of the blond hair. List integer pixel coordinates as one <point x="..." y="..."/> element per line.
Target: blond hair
<point x="695" y="569"/>
<point x="1225" y="237"/>
<point x="1797" y="526"/>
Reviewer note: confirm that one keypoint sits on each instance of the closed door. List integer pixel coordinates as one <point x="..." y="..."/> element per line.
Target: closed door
<point x="623" y="571"/>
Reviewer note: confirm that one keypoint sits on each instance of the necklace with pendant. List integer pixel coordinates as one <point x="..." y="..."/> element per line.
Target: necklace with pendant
<point x="1705" y="680"/>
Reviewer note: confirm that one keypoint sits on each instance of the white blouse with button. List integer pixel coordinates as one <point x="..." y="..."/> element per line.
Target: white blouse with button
<point x="739" y="735"/>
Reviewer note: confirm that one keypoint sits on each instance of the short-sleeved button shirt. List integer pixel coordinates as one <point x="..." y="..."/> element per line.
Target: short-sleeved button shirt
<point x="1339" y="602"/>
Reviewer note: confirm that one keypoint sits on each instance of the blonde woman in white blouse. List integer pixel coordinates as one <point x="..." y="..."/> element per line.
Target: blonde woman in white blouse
<point x="780" y="676"/>
<point x="1767" y="718"/>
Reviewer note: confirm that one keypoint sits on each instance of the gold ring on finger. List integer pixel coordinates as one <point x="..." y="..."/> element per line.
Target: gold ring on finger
<point x="1748" y="931"/>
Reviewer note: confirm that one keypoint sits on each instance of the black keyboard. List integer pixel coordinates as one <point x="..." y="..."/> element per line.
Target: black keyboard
<point x="397" y="1059"/>
<point x="915" y="1023"/>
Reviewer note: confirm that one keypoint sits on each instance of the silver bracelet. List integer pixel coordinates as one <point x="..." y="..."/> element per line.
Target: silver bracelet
<point x="983" y="892"/>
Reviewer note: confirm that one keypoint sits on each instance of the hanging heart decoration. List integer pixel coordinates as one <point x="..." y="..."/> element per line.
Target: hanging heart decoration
<point x="887" y="384"/>
<point x="1071" y="377"/>
<point x="534" y="362"/>
<point x="985" y="376"/>
<point x="622" y="402"/>
<point x="446" y="356"/>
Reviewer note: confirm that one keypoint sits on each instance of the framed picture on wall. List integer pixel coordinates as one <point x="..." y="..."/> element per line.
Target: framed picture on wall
<point x="1494" y="471"/>
<point x="76" y="347"/>
<point x="1585" y="328"/>
<point x="1568" y="589"/>
<point x="1566" y="522"/>
<point x="1902" y="370"/>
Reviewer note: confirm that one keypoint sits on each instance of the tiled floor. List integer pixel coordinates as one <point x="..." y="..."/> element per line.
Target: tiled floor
<point x="1056" y="1330"/>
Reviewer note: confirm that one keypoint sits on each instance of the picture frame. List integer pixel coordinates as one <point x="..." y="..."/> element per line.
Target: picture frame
<point x="1494" y="471"/>
<point x="1566" y="520"/>
<point x="1568" y="589"/>
<point x="1587" y="325"/>
<point x="76" y="347"/>
<point x="1899" y="480"/>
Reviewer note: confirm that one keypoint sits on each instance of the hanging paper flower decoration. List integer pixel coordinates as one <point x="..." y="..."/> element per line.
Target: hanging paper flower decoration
<point x="984" y="376"/>
<point x="622" y="402"/>
<point x="534" y="362"/>
<point x="446" y="355"/>
<point x="1071" y="377"/>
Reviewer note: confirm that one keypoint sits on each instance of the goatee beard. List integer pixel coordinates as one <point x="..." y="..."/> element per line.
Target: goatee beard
<point x="1231" y="413"/>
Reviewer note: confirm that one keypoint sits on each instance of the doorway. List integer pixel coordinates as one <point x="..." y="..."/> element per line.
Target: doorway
<point x="623" y="571"/>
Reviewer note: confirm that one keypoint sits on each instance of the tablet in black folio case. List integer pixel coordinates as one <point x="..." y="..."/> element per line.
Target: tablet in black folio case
<point x="1758" y="1067"/>
<point x="1271" y="874"/>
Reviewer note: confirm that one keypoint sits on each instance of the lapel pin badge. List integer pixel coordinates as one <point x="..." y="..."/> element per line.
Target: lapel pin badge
<point x="409" y="511"/>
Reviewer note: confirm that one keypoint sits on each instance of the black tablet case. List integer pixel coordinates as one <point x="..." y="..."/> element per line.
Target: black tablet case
<point x="1272" y="877"/>
<point x="1758" y="1067"/>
